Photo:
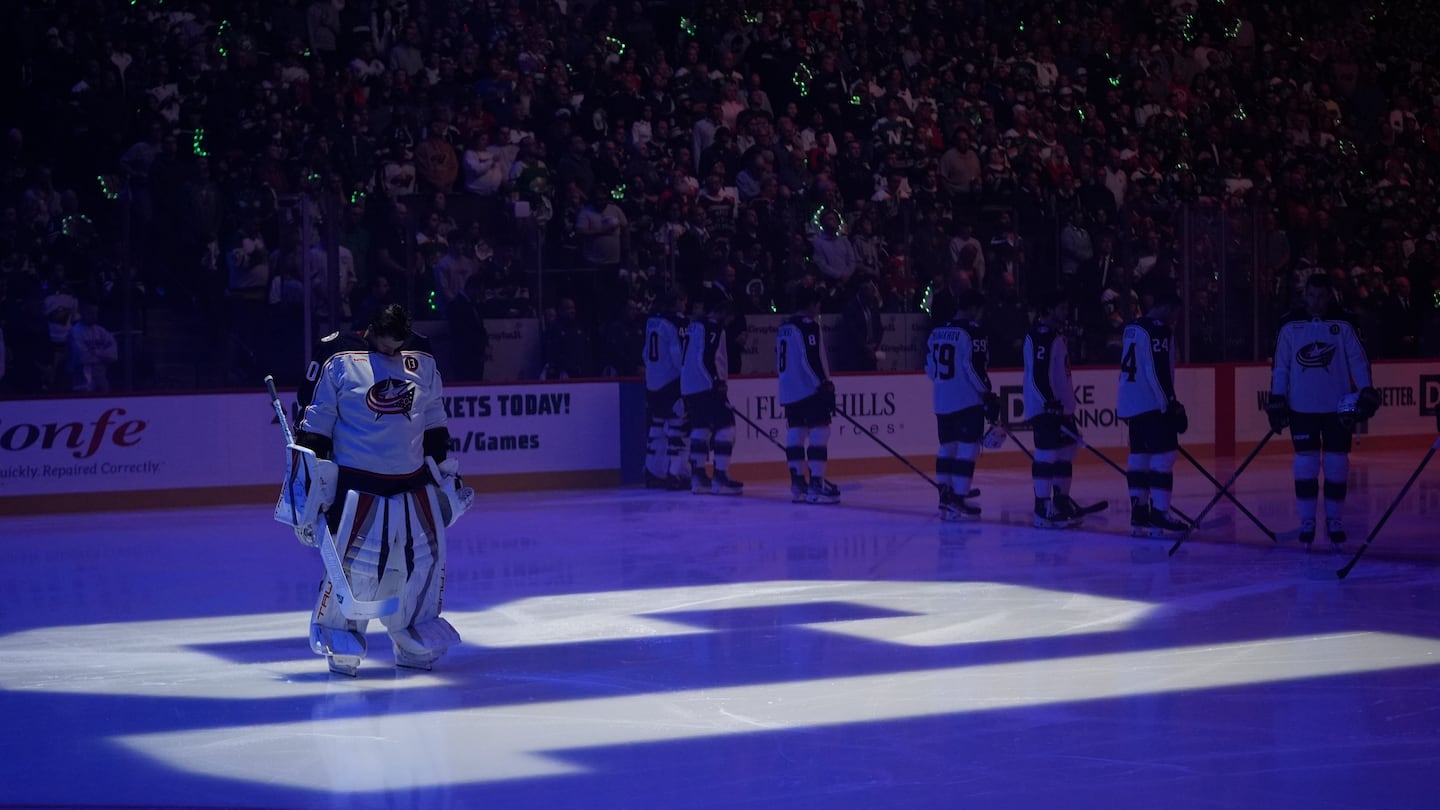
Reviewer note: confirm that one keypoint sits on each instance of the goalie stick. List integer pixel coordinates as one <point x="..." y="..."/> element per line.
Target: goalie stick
<point x="1345" y="571"/>
<point x="352" y="608"/>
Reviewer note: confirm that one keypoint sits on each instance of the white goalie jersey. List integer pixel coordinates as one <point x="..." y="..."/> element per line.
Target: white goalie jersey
<point x="1318" y="361"/>
<point x="359" y="397"/>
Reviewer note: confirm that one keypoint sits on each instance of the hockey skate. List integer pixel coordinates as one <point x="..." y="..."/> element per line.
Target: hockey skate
<point x="1139" y="518"/>
<point x="406" y="661"/>
<point x="725" y="485"/>
<point x="1335" y="530"/>
<point x="1163" y="525"/>
<point x="823" y="491"/>
<point x="1069" y="511"/>
<point x="699" y="483"/>
<point x="954" y="508"/>
<point x="347" y="665"/>
<point x="799" y="488"/>
<point x="1307" y="532"/>
<point x="1048" y="515"/>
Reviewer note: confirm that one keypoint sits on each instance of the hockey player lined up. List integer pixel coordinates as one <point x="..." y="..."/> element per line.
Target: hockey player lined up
<point x="809" y="399"/>
<point x="666" y="462"/>
<point x="1050" y="409"/>
<point x="702" y="382"/>
<point x="374" y="404"/>
<point x="957" y="360"/>
<point x="1155" y="418"/>
<point x="1319" y="387"/>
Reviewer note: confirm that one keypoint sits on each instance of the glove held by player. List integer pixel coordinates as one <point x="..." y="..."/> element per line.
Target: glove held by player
<point x="1176" y="416"/>
<point x="1278" y="411"/>
<point x="826" y="392"/>
<point x="992" y="407"/>
<point x="1369" y="403"/>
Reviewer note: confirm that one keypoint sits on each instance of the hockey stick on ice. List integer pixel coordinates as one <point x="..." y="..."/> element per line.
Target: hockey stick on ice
<point x="1098" y="506"/>
<point x="762" y="431"/>
<point x="352" y="608"/>
<point x="888" y="448"/>
<point x="1259" y="524"/>
<point x="1343" y="572"/>
<point x="1269" y="434"/>
<point x="973" y="493"/>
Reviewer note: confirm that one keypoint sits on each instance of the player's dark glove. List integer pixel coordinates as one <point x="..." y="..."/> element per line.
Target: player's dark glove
<point x="1054" y="406"/>
<point x="826" y="392"/>
<point x="722" y="388"/>
<point x="1176" y="416"/>
<point x="1368" y="404"/>
<point x="992" y="407"/>
<point x="1278" y="411"/>
<point x="1069" y="424"/>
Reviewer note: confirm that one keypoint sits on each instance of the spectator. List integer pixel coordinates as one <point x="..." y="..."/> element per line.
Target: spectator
<point x="566" y="347"/>
<point x="834" y="255"/>
<point x="623" y="344"/>
<point x="861" y="330"/>
<point x="1402" y="321"/>
<point x="92" y="350"/>
<point x="469" y="341"/>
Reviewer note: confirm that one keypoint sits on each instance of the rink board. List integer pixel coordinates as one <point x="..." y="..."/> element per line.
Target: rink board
<point x="184" y="450"/>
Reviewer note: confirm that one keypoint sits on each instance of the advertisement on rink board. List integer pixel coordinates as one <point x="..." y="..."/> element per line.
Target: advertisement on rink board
<point x="138" y="443"/>
<point x="127" y="444"/>
<point x="1409" y="394"/>
<point x="502" y="429"/>
<point x="898" y="410"/>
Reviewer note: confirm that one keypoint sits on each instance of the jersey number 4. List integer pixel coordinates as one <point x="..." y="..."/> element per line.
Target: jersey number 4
<point x="1128" y="365"/>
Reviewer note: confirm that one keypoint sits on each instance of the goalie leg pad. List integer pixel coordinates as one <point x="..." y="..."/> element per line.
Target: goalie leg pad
<point x="417" y="572"/>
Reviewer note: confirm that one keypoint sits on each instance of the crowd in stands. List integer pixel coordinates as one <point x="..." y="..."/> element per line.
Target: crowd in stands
<point x="186" y="161"/>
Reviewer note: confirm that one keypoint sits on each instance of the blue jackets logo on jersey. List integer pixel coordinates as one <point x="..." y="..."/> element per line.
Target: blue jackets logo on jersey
<point x="390" y="396"/>
<point x="1316" y="355"/>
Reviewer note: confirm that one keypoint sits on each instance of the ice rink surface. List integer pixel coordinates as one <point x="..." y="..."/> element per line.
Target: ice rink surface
<point x="634" y="649"/>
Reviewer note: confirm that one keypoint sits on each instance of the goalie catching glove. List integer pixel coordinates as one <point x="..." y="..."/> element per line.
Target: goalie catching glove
<point x="309" y="489"/>
<point x="455" y="498"/>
